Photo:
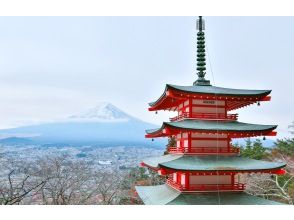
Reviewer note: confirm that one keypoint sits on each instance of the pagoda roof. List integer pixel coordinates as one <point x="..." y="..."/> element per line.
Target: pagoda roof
<point x="210" y="163"/>
<point x="165" y="195"/>
<point x="219" y="90"/>
<point x="237" y="98"/>
<point x="210" y="126"/>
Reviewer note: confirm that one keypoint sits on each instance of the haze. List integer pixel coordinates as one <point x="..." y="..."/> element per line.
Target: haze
<point x="53" y="67"/>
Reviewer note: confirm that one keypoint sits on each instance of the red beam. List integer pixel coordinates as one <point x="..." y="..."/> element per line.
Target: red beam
<point x="272" y="133"/>
<point x="167" y="171"/>
<point x="267" y="98"/>
<point x="172" y="98"/>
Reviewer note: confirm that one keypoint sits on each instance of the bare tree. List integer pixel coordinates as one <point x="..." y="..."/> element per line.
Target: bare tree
<point x="108" y="186"/>
<point x="76" y="182"/>
<point x="269" y="187"/>
<point x="60" y="180"/>
<point x="18" y="184"/>
<point x="69" y="182"/>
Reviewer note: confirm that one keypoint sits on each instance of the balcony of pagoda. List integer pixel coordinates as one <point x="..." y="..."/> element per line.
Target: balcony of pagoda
<point x="207" y="116"/>
<point x="205" y="150"/>
<point x="235" y="187"/>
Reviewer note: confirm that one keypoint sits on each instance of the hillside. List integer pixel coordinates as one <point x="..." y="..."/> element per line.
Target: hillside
<point x="102" y="125"/>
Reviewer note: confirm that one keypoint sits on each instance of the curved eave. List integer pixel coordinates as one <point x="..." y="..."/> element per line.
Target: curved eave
<point x="173" y="163"/>
<point x="232" y="127"/>
<point x="238" y="98"/>
<point x="203" y="90"/>
<point x="165" y="195"/>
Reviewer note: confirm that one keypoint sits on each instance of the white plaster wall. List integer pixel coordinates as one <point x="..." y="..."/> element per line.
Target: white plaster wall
<point x="183" y="179"/>
<point x="185" y="135"/>
<point x="174" y="177"/>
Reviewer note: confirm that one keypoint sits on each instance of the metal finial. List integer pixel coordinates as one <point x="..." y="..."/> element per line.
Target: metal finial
<point x="201" y="64"/>
<point x="200" y="24"/>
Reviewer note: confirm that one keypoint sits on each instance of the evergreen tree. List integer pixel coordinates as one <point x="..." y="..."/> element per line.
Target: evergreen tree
<point x="253" y="150"/>
<point x="285" y="146"/>
<point x="172" y="142"/>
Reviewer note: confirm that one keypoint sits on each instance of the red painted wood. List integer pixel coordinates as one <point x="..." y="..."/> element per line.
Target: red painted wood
<point x="172" y="101"/>
<point x="206" y="187"/>
<point x="173" y="98"/>
<point x="187" y="176"/>
<point x="203" y="139"/>
<point x="233" y="134"/>
<point x="189" y="142"/>
<point x="232" y="179"/>
<point x="166" y="171"/>
<point x="208" y="106"/>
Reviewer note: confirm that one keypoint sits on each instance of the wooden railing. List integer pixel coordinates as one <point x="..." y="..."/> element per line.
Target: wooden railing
<point x="221" y="116"/>
<point x="221" y="187"/>
<point x="174" y="184"/>
<point x="206" y="150"/>
<point x="176" y="150"/>
<point x="207" y="187"/>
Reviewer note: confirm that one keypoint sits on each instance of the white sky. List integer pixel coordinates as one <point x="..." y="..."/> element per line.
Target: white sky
<point x="52" y="67"/>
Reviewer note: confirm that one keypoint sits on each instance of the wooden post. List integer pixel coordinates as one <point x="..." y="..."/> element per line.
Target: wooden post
<point x="190" y="107"/>
<point x="189" y="142"/>
<point x="233" y="179"/>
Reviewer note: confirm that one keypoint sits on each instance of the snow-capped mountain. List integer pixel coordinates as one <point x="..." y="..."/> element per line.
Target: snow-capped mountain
<point x="104" y="111"/>
<point x="103" y="125"/>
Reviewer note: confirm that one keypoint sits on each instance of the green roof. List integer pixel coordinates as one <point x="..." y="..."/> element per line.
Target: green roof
<point x="215" y="125"/>
<point x="219" y="90"/>
<point x="214" y="90"/>
<point x="210" y="163"/>
<point x="165" y="195"/>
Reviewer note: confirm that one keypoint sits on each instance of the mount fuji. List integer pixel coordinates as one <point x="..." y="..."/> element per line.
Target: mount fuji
<point x="103" y="125"/>
<point x="104" y="112"/>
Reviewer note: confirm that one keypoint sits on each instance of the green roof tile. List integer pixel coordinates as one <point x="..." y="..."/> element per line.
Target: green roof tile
<point x="219" y="90"/>
<point x="210" y="163"/>
<point x="214" y="90"/>
<point x="193" y="124"/>
<point x="165" y="195"/>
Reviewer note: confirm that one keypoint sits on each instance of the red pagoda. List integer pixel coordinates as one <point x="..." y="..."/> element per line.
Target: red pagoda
<point x="204" y="167"/>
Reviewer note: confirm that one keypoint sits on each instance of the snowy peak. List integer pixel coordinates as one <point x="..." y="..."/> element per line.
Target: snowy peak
<point x="103" y="111"/>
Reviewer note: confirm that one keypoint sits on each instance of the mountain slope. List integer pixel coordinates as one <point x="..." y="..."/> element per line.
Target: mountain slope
<point x="104" y="111"/>
<point x="103" y="125"/>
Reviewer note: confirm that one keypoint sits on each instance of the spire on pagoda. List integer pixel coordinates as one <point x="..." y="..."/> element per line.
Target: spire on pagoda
<point x="201" y="64"/>
<point x="203" y="167"/>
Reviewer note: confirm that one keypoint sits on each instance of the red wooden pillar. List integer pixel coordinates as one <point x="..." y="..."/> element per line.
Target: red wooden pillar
<point x="190" y="107"/>
<point x="233" y="179"/>
<point x="229" y="144"/>
<point x="179" y="177"/>
<point x="226" y="112"/>
<point x="187" y="180"/>
<point x="179" y="140"/>
<point x="189" y="142"/>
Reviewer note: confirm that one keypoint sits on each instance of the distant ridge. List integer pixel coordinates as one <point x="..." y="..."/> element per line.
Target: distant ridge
<point x="15" y="141"/>
<point x="103" y="125"/>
